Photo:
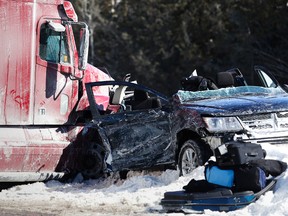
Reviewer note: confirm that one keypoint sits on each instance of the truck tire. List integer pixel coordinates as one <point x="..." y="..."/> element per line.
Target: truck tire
<point x="190" y="157"/>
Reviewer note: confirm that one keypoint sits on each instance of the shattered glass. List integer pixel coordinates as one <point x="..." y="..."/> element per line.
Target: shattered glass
<point x="186" y="96"/>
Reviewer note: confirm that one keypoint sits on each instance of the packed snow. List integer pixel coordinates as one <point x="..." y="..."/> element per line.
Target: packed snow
<point x="139" y="194"/>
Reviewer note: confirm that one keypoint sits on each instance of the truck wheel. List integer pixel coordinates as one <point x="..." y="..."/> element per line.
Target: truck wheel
<point x="190" y="157"/>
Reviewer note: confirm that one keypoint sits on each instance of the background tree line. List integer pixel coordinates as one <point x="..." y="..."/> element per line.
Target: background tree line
<point x="161" y="41"/>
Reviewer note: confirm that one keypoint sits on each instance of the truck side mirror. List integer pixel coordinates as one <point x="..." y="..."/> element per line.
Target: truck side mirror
<point x="84" y="47"/>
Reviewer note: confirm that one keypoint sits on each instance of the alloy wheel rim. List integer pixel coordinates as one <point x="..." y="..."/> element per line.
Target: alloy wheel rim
<point x="189" y="161"/>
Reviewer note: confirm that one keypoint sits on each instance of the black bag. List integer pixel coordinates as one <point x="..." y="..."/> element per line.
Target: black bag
<point x="249" y="178"/>
<point x="270" y="167"/>
<point x="238" y="153"/>
<point x="199" y="186"/>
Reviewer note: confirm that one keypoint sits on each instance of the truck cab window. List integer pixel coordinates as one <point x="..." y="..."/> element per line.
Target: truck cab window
<point x="53" y="45"/>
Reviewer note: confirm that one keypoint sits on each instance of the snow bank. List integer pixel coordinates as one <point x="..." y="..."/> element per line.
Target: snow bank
<point x="140" y="194"/>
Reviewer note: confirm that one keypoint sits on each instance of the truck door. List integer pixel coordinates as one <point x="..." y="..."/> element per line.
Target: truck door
<point x="53" y="86"/>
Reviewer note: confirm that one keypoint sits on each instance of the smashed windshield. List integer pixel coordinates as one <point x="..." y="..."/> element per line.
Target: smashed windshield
<point x="185" y="96"/>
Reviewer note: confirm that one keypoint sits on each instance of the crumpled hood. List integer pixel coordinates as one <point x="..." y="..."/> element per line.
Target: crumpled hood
<point x="239" y="105"/>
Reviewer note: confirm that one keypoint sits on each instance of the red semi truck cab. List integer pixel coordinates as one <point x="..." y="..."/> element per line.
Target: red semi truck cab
<point x="43" y="68"/>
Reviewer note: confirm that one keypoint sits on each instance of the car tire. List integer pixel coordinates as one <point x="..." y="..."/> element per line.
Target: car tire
<point x="93" y="161"/>
<point x="190" y="157"/>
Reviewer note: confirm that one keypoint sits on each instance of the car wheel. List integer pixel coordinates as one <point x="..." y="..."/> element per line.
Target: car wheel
<point x="190" y="157"/>
<point x="93" y="161"/>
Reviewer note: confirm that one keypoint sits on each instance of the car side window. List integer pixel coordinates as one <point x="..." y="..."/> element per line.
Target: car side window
<point x="53" y="46"/>
<point x="132" y="100"/>
<point x="120" y="99"/>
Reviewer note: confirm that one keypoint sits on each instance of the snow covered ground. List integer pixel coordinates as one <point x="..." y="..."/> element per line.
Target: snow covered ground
<point x="139" y="194"/>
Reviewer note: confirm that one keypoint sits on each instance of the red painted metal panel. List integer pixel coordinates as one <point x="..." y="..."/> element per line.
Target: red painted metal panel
<point x="27" y="148"/>
<point x="54" y="2"/>
<point x="15" y="62"/>
<point x="19" y="24"/>
<point x="51" y="86"/>
<point x="93" y="74"/>
<point x="34" y="148"/>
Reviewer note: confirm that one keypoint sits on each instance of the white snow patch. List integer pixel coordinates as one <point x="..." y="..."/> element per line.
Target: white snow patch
<point x="139" y="194"/>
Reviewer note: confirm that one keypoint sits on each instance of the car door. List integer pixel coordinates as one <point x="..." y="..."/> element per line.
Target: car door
<point x="138" y="137"/>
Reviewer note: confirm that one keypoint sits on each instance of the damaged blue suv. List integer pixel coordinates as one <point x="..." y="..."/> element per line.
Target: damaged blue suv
<point x="143" y="129"/>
